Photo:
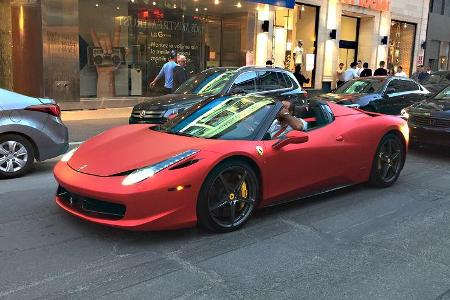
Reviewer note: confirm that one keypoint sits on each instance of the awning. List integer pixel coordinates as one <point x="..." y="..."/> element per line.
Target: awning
<point x="283" y="3"/>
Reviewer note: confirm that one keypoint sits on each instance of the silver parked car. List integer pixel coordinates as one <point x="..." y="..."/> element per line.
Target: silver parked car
<point x="30" y="129"/>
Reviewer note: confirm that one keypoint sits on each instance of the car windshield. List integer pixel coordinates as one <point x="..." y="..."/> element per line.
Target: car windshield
<point x="437" y="78"/>
<point x="225" y="118"/>
<point x="216" y="85"/>
<point x="360" y="86"/>
<point x="444" y="95"/>
<point x="197" y="83"/>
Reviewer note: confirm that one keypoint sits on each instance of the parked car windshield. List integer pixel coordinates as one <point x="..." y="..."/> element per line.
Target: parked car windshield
<point x="196" y="83"/>
<point x="437" y="78"/>
<point x="226" y="118"/>
<point x="365" y="86"/>
<point x="217" y="85"/>
<point x="444" y="95"/>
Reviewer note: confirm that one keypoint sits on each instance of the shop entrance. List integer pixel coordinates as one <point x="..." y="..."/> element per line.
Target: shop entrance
<point x="348" y="45"/>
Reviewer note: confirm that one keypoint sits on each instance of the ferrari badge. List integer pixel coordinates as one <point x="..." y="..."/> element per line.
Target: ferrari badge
<point x="260" y="150"/>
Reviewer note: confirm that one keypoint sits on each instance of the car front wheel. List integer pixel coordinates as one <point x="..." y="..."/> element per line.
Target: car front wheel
<point x="16" y="156"/>
<point x="388" y="161"/>
<point x="228" y="197"/>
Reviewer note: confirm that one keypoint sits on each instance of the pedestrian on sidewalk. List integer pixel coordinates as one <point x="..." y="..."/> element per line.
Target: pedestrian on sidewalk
<point x="400" y="72"/>
<point x="300" y="77"/>
<point x="359" y="68"/>
<point x="180" y="74"/>
<point x="366" y="72"/>
<point x="340" y="75"/>
<point x="167" y="73"/>
<point x="351" y="72"/>
<point x="381" y="71"/>
<point x="298" y="54"/>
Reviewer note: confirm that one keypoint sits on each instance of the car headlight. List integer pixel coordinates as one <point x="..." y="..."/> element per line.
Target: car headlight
<point x="147" y="172"/>
<point x="66" y="157"/>
<point x="404" y="114"/>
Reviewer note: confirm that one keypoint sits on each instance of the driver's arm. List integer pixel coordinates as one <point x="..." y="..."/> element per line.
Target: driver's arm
<point x="292" y="121"/>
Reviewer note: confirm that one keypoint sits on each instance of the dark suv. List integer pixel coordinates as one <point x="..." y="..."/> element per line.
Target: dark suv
<point x="215" y="82"/>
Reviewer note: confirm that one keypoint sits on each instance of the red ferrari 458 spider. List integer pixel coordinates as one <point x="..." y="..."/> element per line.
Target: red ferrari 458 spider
<point x="217" y="162"/>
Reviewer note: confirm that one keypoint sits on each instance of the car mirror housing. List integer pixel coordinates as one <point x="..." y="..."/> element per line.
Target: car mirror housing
<point x="293" y="137"/>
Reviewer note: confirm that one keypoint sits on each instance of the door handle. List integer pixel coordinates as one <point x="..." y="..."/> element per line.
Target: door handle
<point x="340" y="138"/>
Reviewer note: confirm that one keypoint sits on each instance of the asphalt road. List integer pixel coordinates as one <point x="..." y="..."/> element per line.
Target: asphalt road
<point x="357" y="243"/>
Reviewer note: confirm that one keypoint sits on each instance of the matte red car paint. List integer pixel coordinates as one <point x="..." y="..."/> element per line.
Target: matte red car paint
<point x="336" y="155"/>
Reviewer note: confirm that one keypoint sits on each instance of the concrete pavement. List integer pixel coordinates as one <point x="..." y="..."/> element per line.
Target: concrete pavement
<point x="357" y="243"/>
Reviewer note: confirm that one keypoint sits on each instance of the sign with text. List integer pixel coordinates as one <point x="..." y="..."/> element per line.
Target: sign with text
<point x="380" y="5"/>
<point x="283" y="3"/>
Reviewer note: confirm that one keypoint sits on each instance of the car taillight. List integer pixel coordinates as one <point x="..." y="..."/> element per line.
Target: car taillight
<point x="51" y="109"/>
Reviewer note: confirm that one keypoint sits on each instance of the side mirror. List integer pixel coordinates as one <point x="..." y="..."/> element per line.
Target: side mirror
<point x="390" y="91"/>
<point x="293" y="137"/>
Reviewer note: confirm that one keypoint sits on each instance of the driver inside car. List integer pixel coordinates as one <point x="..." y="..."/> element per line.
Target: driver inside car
<point x="286" y="122"/>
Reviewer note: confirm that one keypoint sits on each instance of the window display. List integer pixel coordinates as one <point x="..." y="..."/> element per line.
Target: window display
<point x="401" y="46"/>
<point x="122" y="52"/>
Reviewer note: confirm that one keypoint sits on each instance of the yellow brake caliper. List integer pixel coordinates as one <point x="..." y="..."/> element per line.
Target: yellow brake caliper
<point x="244" y="194"/>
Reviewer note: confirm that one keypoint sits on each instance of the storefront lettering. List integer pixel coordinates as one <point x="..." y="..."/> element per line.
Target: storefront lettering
<point x="380" y="5"/>
<point x="159" y="25"/>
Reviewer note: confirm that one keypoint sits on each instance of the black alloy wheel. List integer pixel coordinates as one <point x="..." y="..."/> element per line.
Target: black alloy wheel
<point x="388" y="161"/>
<point x="228" y="197"/>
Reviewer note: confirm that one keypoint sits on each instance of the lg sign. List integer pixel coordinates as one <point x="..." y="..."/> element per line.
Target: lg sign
<point x="381" y="5"/>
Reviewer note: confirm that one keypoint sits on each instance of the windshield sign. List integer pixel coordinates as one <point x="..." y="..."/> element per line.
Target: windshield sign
<point x="228" y="118"/>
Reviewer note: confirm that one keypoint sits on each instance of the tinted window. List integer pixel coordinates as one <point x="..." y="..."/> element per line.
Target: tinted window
<point x="246" y="82"/>
<point x="268" y="81"/>
<point x="217" y="84"/>
<point x="394" y="84"/>
<point x="196" y="83"/>
<point x="406" y="86"/>
<point x="285" y="81"/>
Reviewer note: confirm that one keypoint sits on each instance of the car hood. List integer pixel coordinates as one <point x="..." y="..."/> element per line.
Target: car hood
<point x="127" y="148"/>
<point x="170" y="101"/>
<point x="433" y="108"/>
<point x="341" y="98"/>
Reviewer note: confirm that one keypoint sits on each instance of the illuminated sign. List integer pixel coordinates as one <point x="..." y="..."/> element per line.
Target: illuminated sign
<point x="283" y="3"/>
<point x="381" y="5"/>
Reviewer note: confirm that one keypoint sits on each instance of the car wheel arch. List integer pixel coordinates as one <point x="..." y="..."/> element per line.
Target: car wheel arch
<point x="243" y="158"/>
<point x="35" y="148"/>
<point x="401" y="137"/>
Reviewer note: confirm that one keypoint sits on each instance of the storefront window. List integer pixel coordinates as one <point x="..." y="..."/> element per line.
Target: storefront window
<point x="443" y="56"/>
<point x="121" y="52"/>
<point x="292" y="26"/>
<point x="6" y="78"/>
<point x="401" y="46"/>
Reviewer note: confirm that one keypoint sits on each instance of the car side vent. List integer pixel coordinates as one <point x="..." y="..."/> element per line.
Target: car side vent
<point x="185" y="164"/>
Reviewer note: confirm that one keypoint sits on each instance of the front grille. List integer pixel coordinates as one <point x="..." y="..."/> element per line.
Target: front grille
<point x="148" y="114"/>
<point x="91" y="207"/>
<point x="429" y="122"/>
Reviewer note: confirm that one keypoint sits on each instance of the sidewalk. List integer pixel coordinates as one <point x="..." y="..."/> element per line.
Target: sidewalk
<point x="97" y="114"/>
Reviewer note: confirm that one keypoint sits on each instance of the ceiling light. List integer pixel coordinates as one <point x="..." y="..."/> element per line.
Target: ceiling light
<point x="216" y="2"/>
<point x="205" y="8"/>
<point x="303" y="8"/>
<point x="97" y="5"/>
<point x="239" y="5"/>
<point x="196" y="9"/>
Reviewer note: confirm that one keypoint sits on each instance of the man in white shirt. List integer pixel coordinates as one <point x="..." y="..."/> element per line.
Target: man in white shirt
<point x="298" y="54"/>
<point x="359" y="67"/>
<point x="400" y="72"/>
<point x="351" y="72"/>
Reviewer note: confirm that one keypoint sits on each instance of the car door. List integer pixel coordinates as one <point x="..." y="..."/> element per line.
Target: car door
<point x="324" y="162"/>
<point x="245" y="83"/>
<point x="394" y="97"/>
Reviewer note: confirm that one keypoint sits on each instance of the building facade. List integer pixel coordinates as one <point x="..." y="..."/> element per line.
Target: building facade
<point x="437" y="50"/>
<point x="84" y="50"/>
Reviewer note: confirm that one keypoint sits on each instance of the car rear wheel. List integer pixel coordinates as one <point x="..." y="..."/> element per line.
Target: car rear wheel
<point x="228" y="197"/>
<point x="16" y="156"/>
<point x="388" y="161"/>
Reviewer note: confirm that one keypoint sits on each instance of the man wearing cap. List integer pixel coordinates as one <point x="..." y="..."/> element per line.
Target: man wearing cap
<point x="298" y="54"/>
<point x="167" y="73"/>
